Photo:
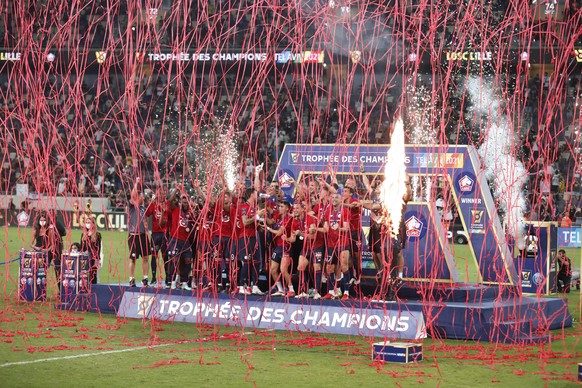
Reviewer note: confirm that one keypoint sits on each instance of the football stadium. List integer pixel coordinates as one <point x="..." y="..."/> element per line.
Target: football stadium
<point x="292" y="193"/>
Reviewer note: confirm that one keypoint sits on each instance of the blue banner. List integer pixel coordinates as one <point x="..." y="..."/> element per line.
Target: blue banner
<point x="570" y="237"/>
<point x="382" y="320"/>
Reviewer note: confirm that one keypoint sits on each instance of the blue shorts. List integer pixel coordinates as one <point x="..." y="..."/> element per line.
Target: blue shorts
<point x="277" y="256"/>
<point x="247" y="248"/>
<point x="160" y="242"/>
<point x="355" y="242"/>
<point x="180" y="248"/>
<point x="333" y="254"/>
<point x="224" y="247"/>
<point x="315" y="255"/>
<point x="205" y="247"/>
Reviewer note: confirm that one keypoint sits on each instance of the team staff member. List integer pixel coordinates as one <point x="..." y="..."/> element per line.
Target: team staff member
<point x="337" y="228"/>
<point x="48" y="237"/>
<point x="92" y="242"/>
<point x="181" y="223"/>
<point x="157" y="210"/>
<point x="138" y="240"/>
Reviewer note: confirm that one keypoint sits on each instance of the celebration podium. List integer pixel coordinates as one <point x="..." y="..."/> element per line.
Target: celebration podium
<point x="32" y="279"/>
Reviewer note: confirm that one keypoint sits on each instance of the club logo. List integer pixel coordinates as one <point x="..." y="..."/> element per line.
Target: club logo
<point x="22" y="218"/>
<point x="286" y="180"/>
<point x="538" y="278"/>
<point x="144" y="305"/>
<point x="101" y="56"/>
<point x="413" y="227"/>
<point x="466" y="184"/>
<point x="355" y="56"/>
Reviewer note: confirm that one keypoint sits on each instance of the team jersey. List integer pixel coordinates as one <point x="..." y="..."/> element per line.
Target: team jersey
<point x="319" y="210"/>
<point x="355" y="216"/>
<point x="285" y="223"/>
<point x="156" y="211"/>
<point x="245" y="209"/>
<point x="206" y="226"/>
<point x="181" y="223"/>
<point x="335" y="219"/>
<point x="318" y="240"/>
<point x="224" y="220"/>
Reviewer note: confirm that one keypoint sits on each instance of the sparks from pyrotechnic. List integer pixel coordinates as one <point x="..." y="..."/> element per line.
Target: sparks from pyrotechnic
<point x="421" y="110"/>
<point x="230" y="157"/>
<point x="501" y="167"/>
<point x="393" y="188"/>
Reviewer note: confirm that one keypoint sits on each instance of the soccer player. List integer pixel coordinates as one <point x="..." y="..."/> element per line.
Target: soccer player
<point x="204" y="246"/>
<point x="138" y="240"/>
<point x="355" y="261"/>
<point x="313" y="252"/>
<point x="157" y="210"/>
<point x="281" y="259"/>
<point x="337" y="227"/>
<point x="181" y="220"/>
<point x="247" y="243"/>
<point x="374" y="237"/>
<point x="394" y="245"/>
<point x="223" y="241"/>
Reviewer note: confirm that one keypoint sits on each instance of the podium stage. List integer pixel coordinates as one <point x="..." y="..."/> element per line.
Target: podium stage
<point x="460" y="311"/>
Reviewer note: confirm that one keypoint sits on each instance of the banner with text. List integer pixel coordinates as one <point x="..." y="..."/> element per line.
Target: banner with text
<point x="383" y="320"/>
<point x="570" y="237"/>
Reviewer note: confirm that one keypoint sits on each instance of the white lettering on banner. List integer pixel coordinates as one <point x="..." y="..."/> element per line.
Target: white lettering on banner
<point x="187" y="57"/>
<point x="330" y="158"/>
<point x="239" y="57"/>
<point x="571" y="237"/>
<point x="279" y="316"/>
<point x="469" y="56"/>
<point x="10" y="56"/>
<point x="471" y="200"/>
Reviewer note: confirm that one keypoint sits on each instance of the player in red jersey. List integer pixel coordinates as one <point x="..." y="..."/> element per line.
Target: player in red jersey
<point x="354" y="263"/>
<point x="181" y="221"/>
<point x="246" y="223"/>
<point x="157" y="210"/>
<point x="223" y="239"/>
<point x="280" y="261"/>
<point x="313" y="251"/>
<point x="337" y="227"/>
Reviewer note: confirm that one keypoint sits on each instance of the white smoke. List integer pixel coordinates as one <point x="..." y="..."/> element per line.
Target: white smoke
<point x="507" y="174"/>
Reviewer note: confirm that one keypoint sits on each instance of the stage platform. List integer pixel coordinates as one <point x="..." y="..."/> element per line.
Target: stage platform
<point x="461" y="311"/>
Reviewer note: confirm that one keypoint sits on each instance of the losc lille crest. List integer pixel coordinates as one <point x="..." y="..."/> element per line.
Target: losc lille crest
<point x="466" y="184"/>
<point x="101" y="56"/>
<point x="413" y="227"/>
